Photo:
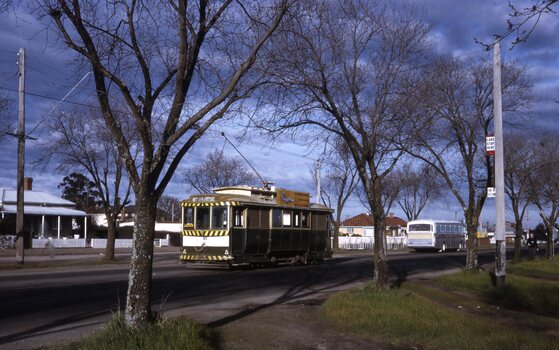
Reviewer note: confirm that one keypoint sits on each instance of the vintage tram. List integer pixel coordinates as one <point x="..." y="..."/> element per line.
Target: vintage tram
<point x="245" y="225"/>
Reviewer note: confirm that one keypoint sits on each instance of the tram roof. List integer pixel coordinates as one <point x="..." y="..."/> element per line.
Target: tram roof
<point x="237" y="195"/>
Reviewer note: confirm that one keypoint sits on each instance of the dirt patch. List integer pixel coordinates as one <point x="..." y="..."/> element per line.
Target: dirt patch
<point x="294" y="325"/>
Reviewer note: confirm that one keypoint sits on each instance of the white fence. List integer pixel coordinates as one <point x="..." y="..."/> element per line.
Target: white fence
<point x="366" y="243"/>
<point x="125" y="243"/>
<point x="95" y="243"/>
<point x="58" y="243"/>
<point x="119" y="243"/>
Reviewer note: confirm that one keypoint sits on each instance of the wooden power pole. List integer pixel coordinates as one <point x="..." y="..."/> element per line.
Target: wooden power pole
<point x="500" y="254"/>
<point x="20" y="238"/>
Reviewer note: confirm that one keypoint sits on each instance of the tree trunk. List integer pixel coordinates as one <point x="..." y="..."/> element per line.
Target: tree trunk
<point x="111" y="235"/>
<point x="549" y="253"/>
<point x="518" y="241"/>
<point x="380" y="258"/>
<point x="138" y="303"/>
<point x="336" y="232"/>
<point x="472" y="262"/>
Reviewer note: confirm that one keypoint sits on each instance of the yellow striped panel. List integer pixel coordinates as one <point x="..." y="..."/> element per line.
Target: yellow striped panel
<point x="205" y="257"/>
<point x="207" y="204"/>
<point x="207" y="233"/>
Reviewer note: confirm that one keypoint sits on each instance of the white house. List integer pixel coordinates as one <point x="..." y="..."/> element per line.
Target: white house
<point x="44" y="214"/>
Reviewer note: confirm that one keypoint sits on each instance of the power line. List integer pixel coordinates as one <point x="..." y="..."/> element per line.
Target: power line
<point x="53" y="98"/>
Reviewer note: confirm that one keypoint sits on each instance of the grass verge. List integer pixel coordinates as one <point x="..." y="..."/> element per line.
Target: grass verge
<point x="457" y="311"/>
<point x="535" y="295"/>
<point x="177" y="333"/>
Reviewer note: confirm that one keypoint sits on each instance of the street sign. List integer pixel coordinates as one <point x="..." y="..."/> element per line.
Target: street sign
<point x="490" y="192"/>
<point x="490" y="145"/>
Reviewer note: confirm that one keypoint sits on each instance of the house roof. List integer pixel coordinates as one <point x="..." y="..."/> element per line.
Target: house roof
<point x="9" y="196"/>
<point x="37" y="203"/>
<point x="38" y="210"/>
<point x="365" y="219"/>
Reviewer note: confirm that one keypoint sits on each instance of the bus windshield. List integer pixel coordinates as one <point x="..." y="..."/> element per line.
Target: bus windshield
<point x="420" y="227"/>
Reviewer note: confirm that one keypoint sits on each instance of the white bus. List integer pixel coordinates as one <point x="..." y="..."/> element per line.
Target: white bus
<point x="436" y="234"/>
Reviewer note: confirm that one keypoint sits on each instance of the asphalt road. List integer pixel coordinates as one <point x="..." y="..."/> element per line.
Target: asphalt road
<point x="50" y="306"/>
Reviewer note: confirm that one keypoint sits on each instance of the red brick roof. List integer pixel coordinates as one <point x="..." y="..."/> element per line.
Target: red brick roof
<point x="366" y="220"/>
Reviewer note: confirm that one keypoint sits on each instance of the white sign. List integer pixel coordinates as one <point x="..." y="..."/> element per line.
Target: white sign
<point x="490" y="145"/>
<point x="490" y="192"/>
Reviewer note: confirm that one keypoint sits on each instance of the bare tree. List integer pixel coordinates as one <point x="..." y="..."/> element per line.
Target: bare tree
<point x="450" y="135"/>
<point x="520" y="168"/>
<point x="344" y="68"/>
<point x="523" y="21"/>
<point x="218" y="171"/>
<point x="417" y="186"/>
<point x="544" y="186"/>
<point x="338" y="182"/>
<point x="169" y="207"/>
<point x="5" y="124"/>
<point x="178" y="67"/>
<point x="80" y="140"/>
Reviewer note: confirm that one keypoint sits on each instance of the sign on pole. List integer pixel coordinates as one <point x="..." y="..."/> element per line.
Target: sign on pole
<point x="490" y="145"/>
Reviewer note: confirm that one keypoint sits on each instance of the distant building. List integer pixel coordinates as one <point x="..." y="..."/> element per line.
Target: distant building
<point x="362" y="225"/>
<point x="45" y="215"/>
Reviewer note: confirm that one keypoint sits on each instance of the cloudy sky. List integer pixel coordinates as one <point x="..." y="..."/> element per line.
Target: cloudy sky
<point x="455" y="25"/>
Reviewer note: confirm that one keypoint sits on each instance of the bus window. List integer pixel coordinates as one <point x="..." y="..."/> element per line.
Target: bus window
<point x="276" y="217"/>
<point x="219" y="218"/>
<point x="202" y="218"/>
<point x="420" y="227"/>
<point x="305" y="219"/>
<point x="188" y="216"/>
<point x="238" y="219"/>
<point x="286" y="218"/>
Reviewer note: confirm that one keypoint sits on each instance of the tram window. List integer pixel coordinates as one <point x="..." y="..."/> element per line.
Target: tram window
<point x="219" y="218"/>
<point x="297" y="219"/>
<point x="305" y="219"/>
<point x="264" y="218"/>
<point x="202" y="218"/>
<point x="276" y="217"/>
<point x="189" y="216"/>
<point x="253" y="218"/>
<point x="286" y="218"/>
<point x="238" y="217"/>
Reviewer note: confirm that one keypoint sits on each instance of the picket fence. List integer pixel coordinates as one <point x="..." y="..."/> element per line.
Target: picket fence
<point x="366" y="243"/>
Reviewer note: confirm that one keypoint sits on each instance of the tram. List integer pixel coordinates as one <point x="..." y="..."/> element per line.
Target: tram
<point x="244" y="225"/>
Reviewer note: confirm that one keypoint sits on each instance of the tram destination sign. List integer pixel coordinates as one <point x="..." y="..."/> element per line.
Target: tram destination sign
<point x="292" y="198"/>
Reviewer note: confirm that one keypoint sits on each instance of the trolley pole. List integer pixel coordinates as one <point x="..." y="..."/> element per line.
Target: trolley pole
<point x="500" y="254"/>
<point x="20" y="238"/>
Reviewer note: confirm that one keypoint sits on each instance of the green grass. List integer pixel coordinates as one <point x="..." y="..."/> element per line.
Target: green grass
<point x="458" y="311"/>
<point x="178" y="333"/>
<point x="403" y="318"/>
<point x="520" y="293"/>
<point x="539" y="268"/>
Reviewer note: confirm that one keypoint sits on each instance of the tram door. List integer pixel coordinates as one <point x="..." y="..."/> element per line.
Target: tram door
<point x="257" y="233"/>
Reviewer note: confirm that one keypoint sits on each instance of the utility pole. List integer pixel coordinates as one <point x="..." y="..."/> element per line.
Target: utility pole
<point x="20" y="238"/>
<point x="500" y="254"/>
<point x="318" y="181"/>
